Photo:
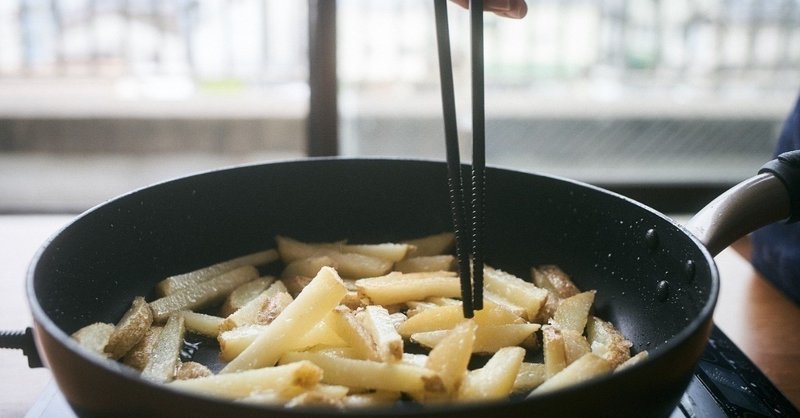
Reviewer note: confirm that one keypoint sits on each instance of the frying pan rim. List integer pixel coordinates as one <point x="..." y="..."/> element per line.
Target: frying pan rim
<point x="45" y="322"/>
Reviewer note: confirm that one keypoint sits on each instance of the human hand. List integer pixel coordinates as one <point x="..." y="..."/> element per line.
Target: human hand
<point x="515" y="9"/>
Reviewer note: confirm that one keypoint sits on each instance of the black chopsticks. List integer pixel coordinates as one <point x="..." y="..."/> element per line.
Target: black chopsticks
<point x="467" y="246"/>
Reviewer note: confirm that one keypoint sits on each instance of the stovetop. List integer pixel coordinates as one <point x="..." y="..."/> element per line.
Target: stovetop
<point x="726" y="384"/>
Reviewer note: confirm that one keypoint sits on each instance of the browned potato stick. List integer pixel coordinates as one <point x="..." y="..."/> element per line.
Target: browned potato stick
<point x="202" y="324"/>
<point x="638" y="358"/>
<point x="380" y="326"/>
<point x="203" y="294"/>
<point x="130" y="329"/>
<point x="308" y="267"/>
<point x="547" y="310"/>
<point x="450" y="356"/>
<point x="320" y="395"/>
<point x="607" y="342"/>
<point x="529" y="376"/>
<point x="552" y="278"/>
<point x="495" y="380"/>
<point x="245" y="293"/>
<point x="436" y="244"/>
<point x="573" y="311"/>
<point x="515" y="290"/>
<point x="368" y="374"/>
<point x="165" y="355"/>
<point x="555" y="356"/>
<point x="312" y="304"/>
<point x="275" y="305"/>
<point x="248" y="314"/>
<point x="140" y="353"/>
<point x="399" y="288"/>
<point x="344" y="323"/>
<point x="180" y="281"/>
<point x="575" y="345"/>
<point x="426" y="263"/>
<point x="350" y="265"/>
<point x="488" y="338"/>
<point x="446" y="317"/>
<point x="191" y="370"/>
<point x="302" y="374"/>
<point x="580" y="370"/>
<point x="94" y="337"/>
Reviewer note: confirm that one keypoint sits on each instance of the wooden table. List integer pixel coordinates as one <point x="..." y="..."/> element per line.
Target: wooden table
<point x="751" y="312"/>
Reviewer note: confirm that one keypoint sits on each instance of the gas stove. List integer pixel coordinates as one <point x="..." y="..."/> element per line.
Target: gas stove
<point x="725" y="384"/>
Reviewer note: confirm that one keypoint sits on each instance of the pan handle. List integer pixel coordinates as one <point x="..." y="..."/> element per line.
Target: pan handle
<point x="24" y="341"/>
<point x="771" y="196"/>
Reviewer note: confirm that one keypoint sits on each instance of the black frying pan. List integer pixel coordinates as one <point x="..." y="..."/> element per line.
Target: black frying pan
<point x="654" y="280"/>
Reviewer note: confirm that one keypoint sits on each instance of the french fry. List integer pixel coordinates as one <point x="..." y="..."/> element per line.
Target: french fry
<point x="529" y="376"/>
<point x="202" y="324"/>
<point x="607" y="342"/>
<point x="450" y="356"/>
<point x="399" y="288"/>
<point x="368" y="374"/>
<point x="302" y="374"/>
<point x="387" y="251"/>
<point x="580" y="370"/>
<point x="575" y="345"/>
<point x="515" y="290"/>
<point x="233" y="342"/>
<point x="350" y="265"/>
<point x="244" y="293"/>
<point x="180" y="281"/>
<point x="555" y="356"/>
<point x="94" y="337"/>
<point x="312" y="304"/>
<point x="495" y="380"/>
<point x="248" y="314"/>
<point x="552" y="278"/>
<point x="342" y="321"/>
<point x="432" y="244"/>
<point x="191" y="370"/>
<point x="307" y="267"/>
<point x="488" y="338"/>
<point x="275" y="305"/>
<point x="320" y="395"/>
<point x="138" y="356"/>
<point x="371" y="399"/>
<point x="506" y="304"/>
<point x="638" y="358"/>
<point x="130" y="329"/>
<point x="165" y="354"/>
<point x="427" y="263"/>
<point x="380" y="326"/>
<point x="446" y="317"/>
<point x="203" y="294"/>
<point x="573" y="311"/>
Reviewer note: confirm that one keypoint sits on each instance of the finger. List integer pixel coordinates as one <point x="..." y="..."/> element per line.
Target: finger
<point x="518" y="10"/>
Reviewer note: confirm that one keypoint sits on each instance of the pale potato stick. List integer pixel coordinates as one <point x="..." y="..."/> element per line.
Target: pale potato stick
<point x="202" y="324"/>
<point x="387" y="251"/>
<point x="140" y="353"/>
<point x="180" y="281"/>
<point x="580" y="370"/>
<point x="94" y="337"/>
<point x="573" y="311"/>
<point x="433" y="244"/>
<point x="308" y="267"/>
<point x="244" y="293"/>
<point x="447" y="316"/>
<point x="371" y="399"/>
<point x="450" y="356"/>
<point x="399" y="288"/>
<point x="191" y="370"/>
<point x="320" y="395"/>
<point x="552" y="278"/>
<point x="342" y="321"/>
<point x="417" y="306"/>
<point x="415" y="359"/>
<point x="350" y="265"/>
<point x="238" y="385"/>
<point x="575" y="345"/>
<point x="505" y="303"/>
<point x="233" y="342"/>
<point x="295" y="284"/>
<point x="515" y="290"/>
<point x="380" y="326"/>
<point x="607" y="341"/>
<point x="555" y="356"/>
<point x="495" y="380"/>
<point x="369" y="374"/>
<point x="530" y="376"/>
<point x="638" y="358"/>
<point x="488" y="338"/>
<point x="130" y="329"/>
<point x="426" y="263"/>
<point x="312" y="304"/>
<point x="165" y="354"/>
<point x="203" y="294"/>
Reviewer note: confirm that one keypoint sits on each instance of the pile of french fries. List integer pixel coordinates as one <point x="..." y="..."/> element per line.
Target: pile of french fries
<point x="363" y="325"/>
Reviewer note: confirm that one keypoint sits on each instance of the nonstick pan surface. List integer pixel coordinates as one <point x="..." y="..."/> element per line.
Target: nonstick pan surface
<point x="654" y="281"/>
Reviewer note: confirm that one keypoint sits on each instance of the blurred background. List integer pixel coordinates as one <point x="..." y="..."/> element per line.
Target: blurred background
<point x="666" y="101"/>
